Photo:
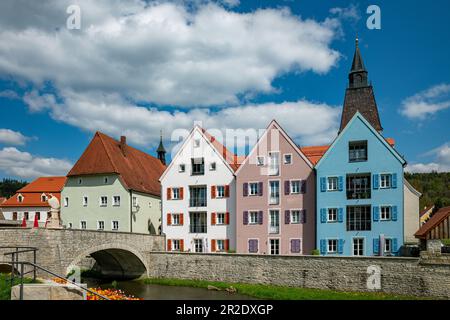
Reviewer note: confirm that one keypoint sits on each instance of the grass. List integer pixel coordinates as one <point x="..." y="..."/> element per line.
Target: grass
<point x="446" y="242"/>
<point x="5" y="285"/>
<point x="271" y="292"/>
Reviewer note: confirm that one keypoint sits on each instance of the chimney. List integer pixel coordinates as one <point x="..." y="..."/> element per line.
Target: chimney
<point x="123" y="144"/>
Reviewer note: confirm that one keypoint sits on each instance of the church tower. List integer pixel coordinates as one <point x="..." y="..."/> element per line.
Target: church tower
<point x="161" y="151"/>
<point x="359" y="95"/>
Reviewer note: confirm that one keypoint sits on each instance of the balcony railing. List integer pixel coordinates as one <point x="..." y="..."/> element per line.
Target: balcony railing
<point x="274" y="229"/>
<point x="198" y="228"/>
<point x="197" y="202"/>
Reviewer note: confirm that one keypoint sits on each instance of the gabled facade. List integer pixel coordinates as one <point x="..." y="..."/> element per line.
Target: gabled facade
<point x="360" y="194"/>
<point x="411" y="209"/>
<point x="31" y="201"/>
<point x="275" y="188"/>
<point x="113" y="187"/>
<point x="198" y="190"/>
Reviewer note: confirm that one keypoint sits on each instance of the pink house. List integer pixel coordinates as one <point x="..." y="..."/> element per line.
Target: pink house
<point x="275" y="187"/>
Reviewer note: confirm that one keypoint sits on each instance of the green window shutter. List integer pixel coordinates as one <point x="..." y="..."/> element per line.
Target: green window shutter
<point x="341" y="183"/>
<point x="394" y="213"/>
<point x="376" y="213"/>
<point x="394" y="245"/>
<point x="340" y="246"/>
<point x="376" y="181"/>
<point x="394" y="180"/>
<point x="341" y="214"/>
<point x="323" y="184"/>
<point x="323" y="215"/>
<point x="323" y="246"/>
<point x="376" y="246"/>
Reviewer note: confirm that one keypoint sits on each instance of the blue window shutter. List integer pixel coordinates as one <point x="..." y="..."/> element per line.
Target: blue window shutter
<point x="287" y="216"/>
<point x="341" y="183"/>
<point x="394" y="180"/>
<point x="260" y="217"/>
<point x="303" y="186"/>
<point x="260" y="188"/>
<point x="287" y="185"/>
<point x="376" y="246"/>
<point x="245" y="189"/>
<point x="340" y="246"/>
<point x="245" y="217"/>
<point x="323" y="246"/>
<point x="340" y="214"/>
<point x="394" y="213"/>
<point x="323" y="184"/>
<point x="394" y="245"/>
<point x="303" y="216"/>
<point x="376" y="181"/>
<point x="323" y="215"/>
<point x="376" y="213"/>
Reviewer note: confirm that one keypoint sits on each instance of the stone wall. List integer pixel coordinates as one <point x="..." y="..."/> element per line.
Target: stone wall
<point x="405" y="276"/>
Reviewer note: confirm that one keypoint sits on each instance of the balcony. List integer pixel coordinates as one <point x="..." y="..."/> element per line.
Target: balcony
<point x="274" y="229"/>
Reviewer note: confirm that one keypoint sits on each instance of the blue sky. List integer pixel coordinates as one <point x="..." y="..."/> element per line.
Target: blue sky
<point x="57" y="87"/>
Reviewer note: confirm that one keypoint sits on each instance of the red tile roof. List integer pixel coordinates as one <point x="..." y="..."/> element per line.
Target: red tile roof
<point x="434" y="221"/>
<point x="32" y="192"/>
<point x="232" y="159"/>
<point x="138" y="170"/>
<point x="2" y="199"/>
<point x="315" y="153"/>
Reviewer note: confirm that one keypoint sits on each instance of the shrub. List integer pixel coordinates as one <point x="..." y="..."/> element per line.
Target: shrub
<point x="316" y="252"/>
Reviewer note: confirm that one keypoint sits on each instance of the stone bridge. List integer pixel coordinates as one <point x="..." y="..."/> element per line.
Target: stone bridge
<point x="115" y="254"/>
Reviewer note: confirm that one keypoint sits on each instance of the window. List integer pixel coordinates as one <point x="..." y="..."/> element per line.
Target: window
<point x="115" y="225"/>
<point x="197" y="222"/>
<point x="274" y="221"/>
<point x="80" y="181"/>
<point x="358" y="186"/>
<point x="275" y="246"/>
<point x="116" y="201"/>
<point x="260" y="161"/>
<point x="274" y="192"/>
<point x="181" y="168"/>
<point x="358" y="246"/>
<point x="49" y="215"/>
<point x="220" y="218"/>
<point x="358" y="218"/>
<point x="385" y="181"/>
<point x="70" y="225"/>
<point x="274" y="164"/>
<point x="287" y="158"/>
<point x="14" y="216"/>
<point x="83" y="225"/>
<point x="44" y="198"/>
<point x="38" y="215"/>
<point x="220" y="191"/>
<point x="103" y="201"/>
<point x="176" y="219"/>
<point x="253" y="217"/>
<point x="135" y="201"/>
<point x="212" y="166"/>
<point x="105" y="180"/>
<point x="253" y="188"/>
<point x="198" y="245"/>
<point x="295" y="216"/>
<point x="196" y="143"/>
<point x="357" y="151"/>
<point x="385" y="213"/>
<point x="20" y="198"/>
<point x="253" y="246"/>
<point x="176" y="193"/>
<point x="295" y="186"/>
<point x="387" y="245"/>
<point x="332" y="245"/>
<point x="220" y="245"/>
<point x="197" y="196"/>
<point x="26" y="215"/>
<point x="332" y="183"/>
<point x="85" y="201"/>
<point x="66" y="201"/>
<point x="332" y="215"/>
<point x="176" y="245"/>
<point x="100" y="225"/>
<point x="198" y="166"/>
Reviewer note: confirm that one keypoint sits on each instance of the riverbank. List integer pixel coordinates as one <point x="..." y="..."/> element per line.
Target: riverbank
<point x="278" y="292"/>
<point x="5" y="285"/>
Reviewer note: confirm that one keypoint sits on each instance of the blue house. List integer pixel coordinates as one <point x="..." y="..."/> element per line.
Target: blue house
<point x="360" y="180"/>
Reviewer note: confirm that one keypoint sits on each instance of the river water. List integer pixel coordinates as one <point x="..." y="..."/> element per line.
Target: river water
<point x="158" y="292"/>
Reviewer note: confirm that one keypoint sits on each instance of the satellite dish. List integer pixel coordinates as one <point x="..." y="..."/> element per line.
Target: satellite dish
<point x="54" y="203"/>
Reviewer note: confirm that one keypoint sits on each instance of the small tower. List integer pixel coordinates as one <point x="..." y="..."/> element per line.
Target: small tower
<point x="161" y="151"/>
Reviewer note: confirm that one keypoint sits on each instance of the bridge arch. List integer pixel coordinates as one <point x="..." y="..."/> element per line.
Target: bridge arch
<point x="114" y="260"/>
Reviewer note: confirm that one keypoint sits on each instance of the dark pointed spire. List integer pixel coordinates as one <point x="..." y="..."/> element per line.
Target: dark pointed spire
<point x="359" y="96"/>
<point x="161" y="151"/>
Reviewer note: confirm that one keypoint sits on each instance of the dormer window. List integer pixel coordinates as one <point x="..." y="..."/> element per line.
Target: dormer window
<point x="20" y="198"/>
<point x="196" y="143"/>
<point x="44" y="197"/>
<point x="105" y="180"/>
<point x="80" y="181"/>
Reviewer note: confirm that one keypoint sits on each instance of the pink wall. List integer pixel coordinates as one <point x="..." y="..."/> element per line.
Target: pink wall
<point x="250" y="172"/>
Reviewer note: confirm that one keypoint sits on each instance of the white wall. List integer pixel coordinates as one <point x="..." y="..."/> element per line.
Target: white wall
<point x="411" y="206"/>
<point x="8" y="214"/>
<point x="221" y="176"/>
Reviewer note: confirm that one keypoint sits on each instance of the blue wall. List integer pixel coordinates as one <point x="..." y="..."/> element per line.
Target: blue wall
<point x="336" y="163"/>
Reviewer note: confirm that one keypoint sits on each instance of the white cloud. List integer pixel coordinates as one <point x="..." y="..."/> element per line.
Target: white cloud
<point x="161" y="53"/>
<point x="427" y="103"/>
<point x="8" y="136"/>
<point x="350" y="13"/>
<point x="24" y="165"/>
<point x="9" y="94"/>
<point x="440" y="163"/>
<point x="306" y="122"/>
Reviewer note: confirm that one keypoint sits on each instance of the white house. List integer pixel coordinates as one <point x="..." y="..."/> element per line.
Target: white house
<point x="198" y="196"/>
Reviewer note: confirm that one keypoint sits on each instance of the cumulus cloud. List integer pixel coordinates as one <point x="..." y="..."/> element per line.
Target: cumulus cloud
<point x="440" y="163"/>
<point x="306" y="122"/>
<point x="24" y="165"/>
<point x="10" y="137"/>
<point x="427" y="103"/>
<point x="161" y="52"/>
